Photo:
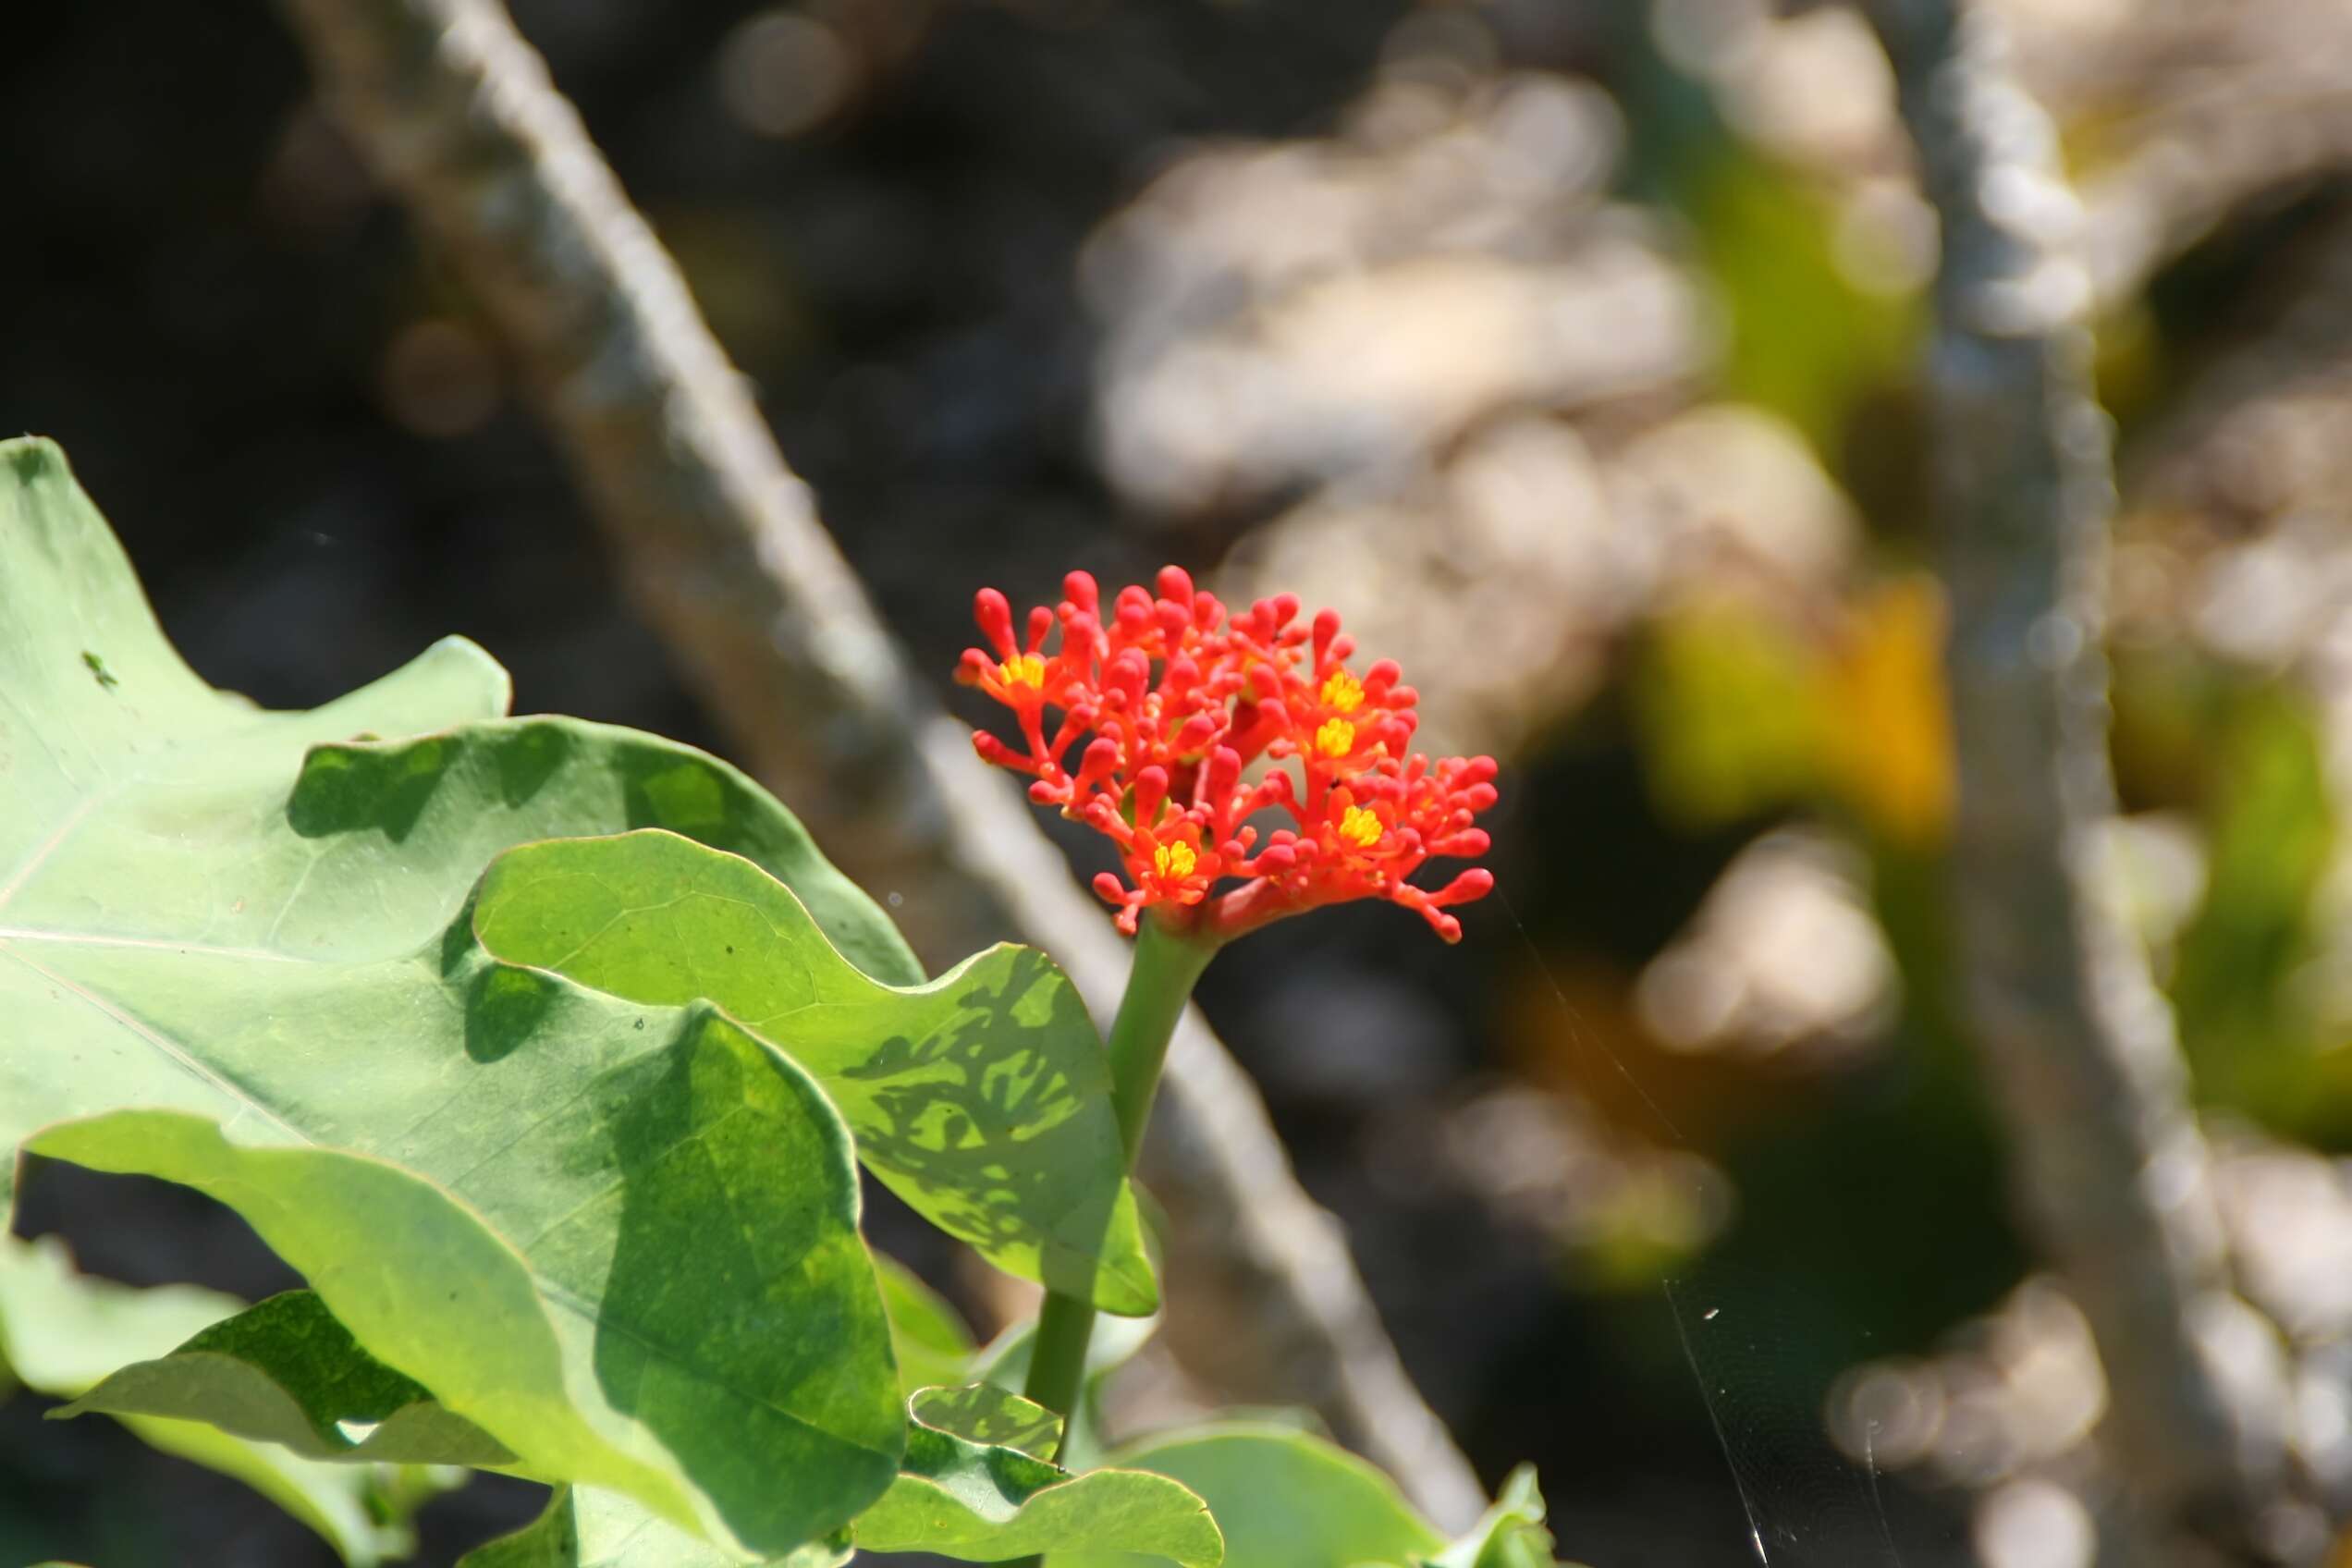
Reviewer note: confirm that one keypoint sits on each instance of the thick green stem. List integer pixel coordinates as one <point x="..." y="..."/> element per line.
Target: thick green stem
<point x="1167" y="964"/>
<point x="1058" y="1358"/>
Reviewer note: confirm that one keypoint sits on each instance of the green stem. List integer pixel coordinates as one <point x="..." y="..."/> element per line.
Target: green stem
<point x="1167" y="965"/>
<point x="1058" y="1358"/>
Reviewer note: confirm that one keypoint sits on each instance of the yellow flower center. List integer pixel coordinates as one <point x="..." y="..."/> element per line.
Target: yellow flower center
<point x="1174" y="860"/>
<point x="1336" y="738"/>
<point x="1022" y="669"/>
<point x="1343" y="691"/>
<point x="1359" y="828"/>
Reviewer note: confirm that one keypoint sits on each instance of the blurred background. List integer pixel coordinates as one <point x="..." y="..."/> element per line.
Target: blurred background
<point x="1570" y="349"/>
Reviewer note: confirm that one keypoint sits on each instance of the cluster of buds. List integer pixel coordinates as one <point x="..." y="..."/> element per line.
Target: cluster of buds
<point x="1173" y="723"/>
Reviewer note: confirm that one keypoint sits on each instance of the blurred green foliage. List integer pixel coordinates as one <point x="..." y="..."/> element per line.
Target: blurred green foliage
<point x="1803" y="339"/>
<point x="2242" y="983"/>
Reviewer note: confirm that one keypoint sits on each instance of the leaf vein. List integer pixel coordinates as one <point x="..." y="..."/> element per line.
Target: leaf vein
<point x="162" y="1042"/>
<point x="94" y="939"/>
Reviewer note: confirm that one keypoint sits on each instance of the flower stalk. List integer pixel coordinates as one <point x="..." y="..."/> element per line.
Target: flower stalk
<point x="1243" y="772"/>
<point x="1167" y="964"/>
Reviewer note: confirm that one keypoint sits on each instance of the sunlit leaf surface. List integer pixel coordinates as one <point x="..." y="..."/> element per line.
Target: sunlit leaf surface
<point x="991" y="1417"/>
<point x="285" y="1371"/>
<point x="985" y="1502"/>
<point x="586" y="1528"/>
<point x="983" y="1097"/>
<point x="621" y="1240"/>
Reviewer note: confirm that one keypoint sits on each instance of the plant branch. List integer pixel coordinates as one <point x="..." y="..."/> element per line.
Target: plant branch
<point x="2111" y="1172"/>
<point x="722" y="546"/>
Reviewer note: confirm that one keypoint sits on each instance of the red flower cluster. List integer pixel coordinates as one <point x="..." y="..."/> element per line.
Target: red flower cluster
<point x="1180" y="698"/>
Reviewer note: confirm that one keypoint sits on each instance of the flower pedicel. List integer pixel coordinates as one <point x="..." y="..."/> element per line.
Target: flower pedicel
<point x="1180" y="698"/>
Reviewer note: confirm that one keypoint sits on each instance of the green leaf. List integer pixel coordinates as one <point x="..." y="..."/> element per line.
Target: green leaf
<point x="1510" y="1535"/>
<point x="586" y="1528"/>
<point x="1728" y="702"/>
<point x="2241" y="978"/>
<point x="983" y="1097"/>
<point x="930" y="1340"/>
<point x="287" y="1372"/>
<point x="982" y="1504"/>
<point x="234" y="952"/>
<point x="1283" y="1498"/>
<point x="1767" y="238"/>
<point x="685" y="1313"/>
<point x="62" y="1331"/>
<point x="991" y="1417"/>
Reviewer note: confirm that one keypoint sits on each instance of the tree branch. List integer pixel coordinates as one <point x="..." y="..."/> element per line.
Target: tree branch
<point x="722" y="546"/>
<point x="2111" y="1171"/>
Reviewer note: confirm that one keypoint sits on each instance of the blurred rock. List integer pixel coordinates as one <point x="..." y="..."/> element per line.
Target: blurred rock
<point x="1783" y="955"/>
<point x="782" y="73"/>
<point x="1734" y="491"/>
<point x="1554" y="553"/>
<point x="1516" y="538"/>
<point x="2016" y="1397"/>
<point x="1548" y="1164"/>
<point x="2016" y="1389"/>
<point x="2176" y="114"/>
<point x="1341" y="1036"/>
<point x="2289" y="1214"/>
<point x="1813" y="87"/>
<point x="1292" y="313"/>
<point x="2152" y="872"/>
<point x="2034" y="1524"/>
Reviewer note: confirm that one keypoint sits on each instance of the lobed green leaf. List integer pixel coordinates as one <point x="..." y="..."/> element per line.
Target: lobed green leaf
<point x="983" y="1097"/>
<point x="723" y="1361"/>
<point x="621" y="1240"/>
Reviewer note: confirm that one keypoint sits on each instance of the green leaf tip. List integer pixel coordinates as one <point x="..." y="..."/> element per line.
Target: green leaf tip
<point x="62" y="1332"/>
<point x="34" y="459"/>
<point x="1510" y="1535"/>
<point x="991" y="1417"/>
<point x="286" y="1371"/>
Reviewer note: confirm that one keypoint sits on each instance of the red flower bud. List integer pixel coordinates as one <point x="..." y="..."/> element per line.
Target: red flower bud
<point x="1180" y="699"/>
